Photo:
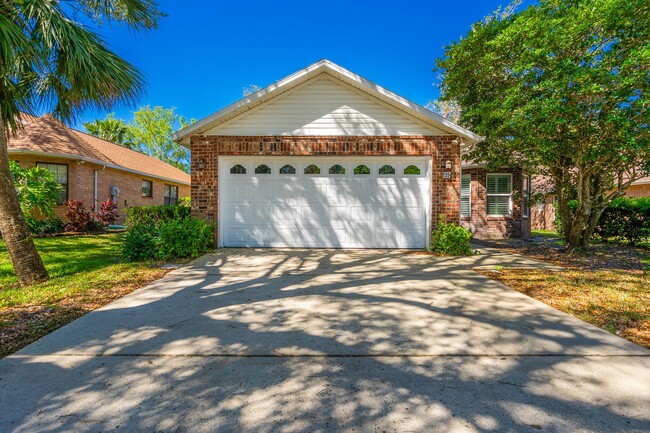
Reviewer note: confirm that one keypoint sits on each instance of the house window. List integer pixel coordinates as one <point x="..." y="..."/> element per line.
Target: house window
<point x="60" y="173"/>
<point x="171" y="195"/>
<point x="499" y="194"/>
<point x="147" y="188"/>
<point x="465" y="195"/>
<point x="526" y="198"/>
<point x="337" y="169"/>
<point x="386" y="169"/>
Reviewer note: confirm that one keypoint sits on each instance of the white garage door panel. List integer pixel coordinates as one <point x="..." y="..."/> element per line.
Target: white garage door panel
<point x="324" y="210"/>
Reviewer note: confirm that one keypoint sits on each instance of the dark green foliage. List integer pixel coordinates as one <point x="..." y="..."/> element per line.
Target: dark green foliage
<point x="165" y="232"/>
<point x="36" y="189"/>
<point x="49" y="226"/>
<point x="190" y="237"/>
<point x="154" y="215"/>
<point x="450" y="239"/>
<point x="561" y="89"/>
<point x="139" y="244"/>
<point x="625" y="218"/>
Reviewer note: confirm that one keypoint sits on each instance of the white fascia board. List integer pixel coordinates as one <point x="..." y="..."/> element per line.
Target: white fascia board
<point x="182" y="136"/>
<point x="92" y="161"/>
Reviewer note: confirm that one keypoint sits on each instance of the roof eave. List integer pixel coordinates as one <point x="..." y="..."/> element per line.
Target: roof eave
<point x="94" y="161"/>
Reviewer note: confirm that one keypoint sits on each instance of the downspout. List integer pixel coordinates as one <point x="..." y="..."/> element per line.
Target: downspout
<point x="95" y="184"/>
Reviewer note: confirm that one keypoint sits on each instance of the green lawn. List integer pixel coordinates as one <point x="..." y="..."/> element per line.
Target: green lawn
<point x="544" y="233"/>
<point x="86" y="272"/>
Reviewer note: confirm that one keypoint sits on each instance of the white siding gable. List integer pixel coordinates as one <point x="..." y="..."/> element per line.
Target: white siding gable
<point x="324" y="107"/>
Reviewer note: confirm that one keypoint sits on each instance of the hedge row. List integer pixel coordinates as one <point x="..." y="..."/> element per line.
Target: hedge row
<point x="165" y="232"/>
<point x="625" y="218"/>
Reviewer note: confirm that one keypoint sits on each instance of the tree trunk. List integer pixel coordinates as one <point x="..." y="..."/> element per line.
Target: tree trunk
<point x="22" y="252"/>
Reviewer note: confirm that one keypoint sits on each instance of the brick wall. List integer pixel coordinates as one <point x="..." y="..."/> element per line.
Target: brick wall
<point x="543" y="214"/>
<point x="494" y="227"/>
<point x="639" y="190"/>
<point x="81" y="184"/>
<point x="207" y="149"/>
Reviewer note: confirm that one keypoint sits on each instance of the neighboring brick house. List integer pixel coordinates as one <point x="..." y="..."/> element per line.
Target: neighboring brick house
<point x="89" y="168"/>
<point x="326" y="158"/>
<point x="543" y="213"/>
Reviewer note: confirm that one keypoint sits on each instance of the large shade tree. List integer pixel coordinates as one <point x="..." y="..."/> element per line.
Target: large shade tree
<point x="51" y="62"/>
<point x="559" y="89"/>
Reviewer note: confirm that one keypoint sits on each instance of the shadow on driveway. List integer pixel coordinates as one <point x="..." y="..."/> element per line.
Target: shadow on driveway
<point x="319" y="340"/>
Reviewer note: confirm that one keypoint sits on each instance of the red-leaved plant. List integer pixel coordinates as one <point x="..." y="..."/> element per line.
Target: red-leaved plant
<point x="81" y="219"/>
<point x="77" y="214"/>
<point x="107" y="213"/>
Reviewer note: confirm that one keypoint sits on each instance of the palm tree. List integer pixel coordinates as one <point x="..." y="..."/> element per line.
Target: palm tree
<point x="49" y="61"/>
<point x="111" y="129"/>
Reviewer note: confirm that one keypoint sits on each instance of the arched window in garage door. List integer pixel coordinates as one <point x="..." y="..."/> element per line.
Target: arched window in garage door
<point x="361" y="169"/>
<point x="412" y="170"/>
<point x="312" y="169"/>
<point x="288" y="169"/>
<point x="263" y="169"/>
<point x="238" y="169"/>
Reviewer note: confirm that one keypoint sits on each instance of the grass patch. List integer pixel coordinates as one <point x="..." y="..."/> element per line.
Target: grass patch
<point x="617" y="301"/>
<point x="86" y="272"/>
<point x="544" y="234"/>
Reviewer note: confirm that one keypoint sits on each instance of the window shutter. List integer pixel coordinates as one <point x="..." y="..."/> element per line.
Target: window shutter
<point x="465" y="194"/>
<point x="491" y="184"/>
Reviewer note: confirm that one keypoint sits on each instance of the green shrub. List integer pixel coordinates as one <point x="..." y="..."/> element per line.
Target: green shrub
<point x="139" y="244"/>
<point x="154" y="215"/>
<point x="450" y="239"/>
<point x="625" y="218"/>
<point x="189" y="237"/>
<point x="165" y="232"/>
<point x="36" y="189"/>
<point x="48" y="226"/>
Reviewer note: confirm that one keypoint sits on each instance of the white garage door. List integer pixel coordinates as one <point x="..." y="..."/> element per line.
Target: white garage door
<point x="328" y="202"/>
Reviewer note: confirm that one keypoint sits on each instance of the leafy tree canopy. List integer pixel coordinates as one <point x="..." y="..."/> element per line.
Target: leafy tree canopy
<point x="37" y="191"/>
<point x="111" y="129"/>
<point x="150" y="132"/>
<point x="561" y="89"/>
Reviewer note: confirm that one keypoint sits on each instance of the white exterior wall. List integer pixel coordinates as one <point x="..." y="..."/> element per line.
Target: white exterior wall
<point x="324" y="107"/>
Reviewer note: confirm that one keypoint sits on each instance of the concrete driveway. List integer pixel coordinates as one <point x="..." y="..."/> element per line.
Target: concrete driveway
<point x="327" y="341"/>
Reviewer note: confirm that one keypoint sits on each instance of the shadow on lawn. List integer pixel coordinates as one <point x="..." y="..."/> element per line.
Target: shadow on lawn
<point x="280" y="342"/>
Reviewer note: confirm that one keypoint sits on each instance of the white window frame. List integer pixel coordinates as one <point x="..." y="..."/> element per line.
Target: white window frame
<point x="525" y="211"/>
<point x="469" y="215"/>
<point x="509" y="195"/>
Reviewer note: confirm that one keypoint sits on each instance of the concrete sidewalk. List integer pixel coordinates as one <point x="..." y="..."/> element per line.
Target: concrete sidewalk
<point x="322" y="340"/>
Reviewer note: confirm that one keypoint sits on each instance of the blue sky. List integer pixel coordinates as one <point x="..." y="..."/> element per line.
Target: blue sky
<point x="205" y="52"/>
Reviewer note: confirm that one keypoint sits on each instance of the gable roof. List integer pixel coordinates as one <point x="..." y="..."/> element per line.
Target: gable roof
<point x="48" y="136"/>
<point x="338" y="73"/>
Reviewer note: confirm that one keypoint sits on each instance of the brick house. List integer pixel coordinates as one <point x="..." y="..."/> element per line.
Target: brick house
<point x="543" y="213"/>
<point x="326" y="158"/>
<point x="91" y="169"/>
